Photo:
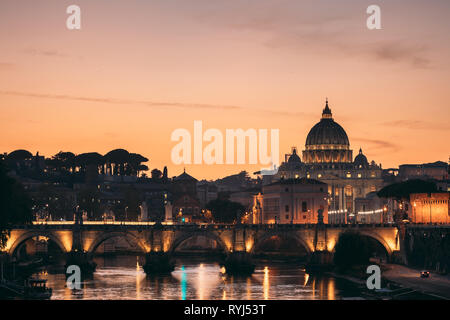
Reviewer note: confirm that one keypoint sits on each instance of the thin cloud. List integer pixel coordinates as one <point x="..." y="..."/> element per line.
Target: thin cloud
<point x="289" y="113"/>
<point x="156" y="104"/>
<point x="6" y="65"/>
<point x="416" y="125"/>
<point x="48" y="53"/>
<point x="123" y="101"/>
<point x="398" y="51"/>
<point x="299" y="28"/>
<point x="375" y="144"/>
<point x="325" y="41"/>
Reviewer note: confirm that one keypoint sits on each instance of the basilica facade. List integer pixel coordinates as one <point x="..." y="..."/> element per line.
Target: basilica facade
<point x="327" y="157"/>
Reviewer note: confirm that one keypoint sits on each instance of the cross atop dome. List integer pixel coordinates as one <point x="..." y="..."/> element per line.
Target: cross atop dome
<point x="326" y="114"/>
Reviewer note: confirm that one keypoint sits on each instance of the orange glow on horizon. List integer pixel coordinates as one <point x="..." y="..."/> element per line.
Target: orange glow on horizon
<point x="115" y="84"/>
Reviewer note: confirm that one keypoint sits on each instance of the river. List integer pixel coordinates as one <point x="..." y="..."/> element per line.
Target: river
<point x="122" y="277"/>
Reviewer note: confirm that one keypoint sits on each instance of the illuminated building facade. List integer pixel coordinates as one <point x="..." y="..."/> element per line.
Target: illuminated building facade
<point x="429" y="208"/>
<point x="295" y="201"/>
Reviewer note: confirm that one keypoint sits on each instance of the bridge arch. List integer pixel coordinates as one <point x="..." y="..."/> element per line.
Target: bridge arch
<point x="188" y="235"/>
<point x="379" y="239"/>
<point x="37" y="233"/>
<point x="381" y="243"/>
<point x="259" y="241"/>
<point x="104" y="236"/>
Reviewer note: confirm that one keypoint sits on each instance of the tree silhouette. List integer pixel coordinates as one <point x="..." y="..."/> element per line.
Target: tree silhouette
<point x="165" y="175"/>
<point x="226" y="211"/>
<point x="15" y="205"/>
<point x="156" y="174"/>
<point x="135" y="165"/>
<point x="62" y="161"/>
<point x="116" y="160"/>
<point x="402" y="190"/>
<point x="16" y="159"/>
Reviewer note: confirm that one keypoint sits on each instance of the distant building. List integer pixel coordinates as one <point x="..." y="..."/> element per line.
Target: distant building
<point x="295" y="201"/>
<point x="184" y="184"/>
<point x="246" y="197"/>
<point x="206" y="192"/>
<point x="186" y="205"/>
<point x="426" y="208"/>
<point x="186" y="209"/>
<point x="437" y="170"/>
<point x="443" y="185"/>
<point x="370" y="209"/>
<point x="153" y="208"/>
<point x="390" y="175"/>
<point x="236" y="182"/>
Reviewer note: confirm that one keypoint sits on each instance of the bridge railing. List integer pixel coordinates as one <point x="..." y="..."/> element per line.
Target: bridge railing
<point x="136" y="224"/>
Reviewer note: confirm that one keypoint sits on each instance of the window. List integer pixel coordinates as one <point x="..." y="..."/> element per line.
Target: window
<point x="286" y="209"/>
<point x="304" y="206"/>
<point x="287" y="189"/>
<point x="287" y="216"/>
<point x="348" y="191"/>
<point x="271" y="205"/>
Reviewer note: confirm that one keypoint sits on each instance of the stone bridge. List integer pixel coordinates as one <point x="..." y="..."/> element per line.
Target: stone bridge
<point x="166" y="238"/>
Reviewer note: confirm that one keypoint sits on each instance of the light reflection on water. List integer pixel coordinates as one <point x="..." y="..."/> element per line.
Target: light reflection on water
<point x="122" y="277"/>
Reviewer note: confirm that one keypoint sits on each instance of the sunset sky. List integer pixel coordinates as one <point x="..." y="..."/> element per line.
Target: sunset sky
<point x="138" y="70"/>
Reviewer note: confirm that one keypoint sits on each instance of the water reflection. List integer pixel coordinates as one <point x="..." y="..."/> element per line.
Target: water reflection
<point x="183" y="283"/>
<point x="122" y="277"/>
<point x="266" y="283"/>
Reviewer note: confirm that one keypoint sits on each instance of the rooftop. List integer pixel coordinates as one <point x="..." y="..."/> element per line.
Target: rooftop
<point x="297" y="181"/>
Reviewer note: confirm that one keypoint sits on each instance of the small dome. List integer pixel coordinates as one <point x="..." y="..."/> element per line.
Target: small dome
<point x="361" y="160"/>
<point x="294" y="158"/>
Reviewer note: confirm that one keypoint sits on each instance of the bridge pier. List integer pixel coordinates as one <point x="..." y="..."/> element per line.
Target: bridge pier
<point x="239" y="263"/>
<point x="83" y="260"/>
<point x="320" y="261"/>
<point x="77" y="256"/>
<point x="158" y="263"/>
